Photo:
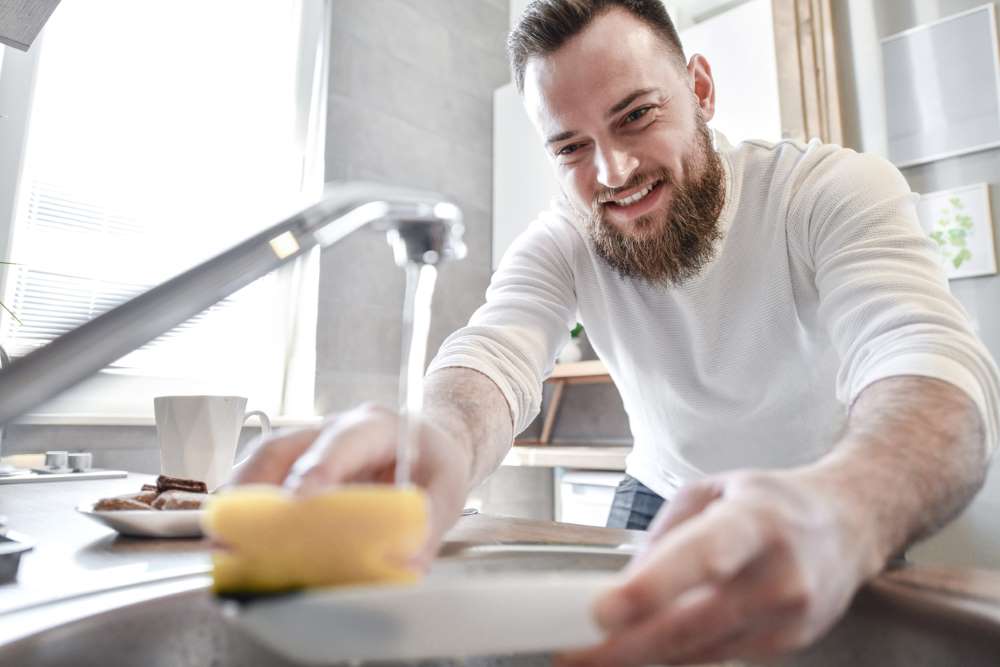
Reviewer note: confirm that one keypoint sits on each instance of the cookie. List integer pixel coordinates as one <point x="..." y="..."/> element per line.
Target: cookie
<point x="146" y="496"/>
<point x="165" y="483"/>
<point x="119" y="503"/>
<point x="179" y="500"/>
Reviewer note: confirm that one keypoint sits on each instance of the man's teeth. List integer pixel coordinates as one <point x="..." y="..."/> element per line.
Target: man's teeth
<point x="631" y="199"/>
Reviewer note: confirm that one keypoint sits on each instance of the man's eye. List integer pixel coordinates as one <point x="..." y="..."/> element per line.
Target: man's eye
<point x="636" y="115"/>
<point x="568" y="149"/>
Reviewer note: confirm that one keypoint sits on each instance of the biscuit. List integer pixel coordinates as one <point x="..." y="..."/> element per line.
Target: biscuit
<point x="165" y="483"/>
<point x="146" y="496"/>
<point x="179" y="500"/>
<point x="119" y="503"/>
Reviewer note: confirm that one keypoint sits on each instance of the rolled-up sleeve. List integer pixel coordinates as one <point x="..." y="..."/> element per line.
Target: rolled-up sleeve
<point x="884" y="298"/>
<point x="530" y="307"/>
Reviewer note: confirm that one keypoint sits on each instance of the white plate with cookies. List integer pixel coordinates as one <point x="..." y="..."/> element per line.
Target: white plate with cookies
<point x="148" y="523"/>
<point x="170" y="508"/>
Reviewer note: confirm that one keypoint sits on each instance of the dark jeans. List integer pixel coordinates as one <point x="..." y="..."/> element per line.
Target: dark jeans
<point x="634" y="506"/>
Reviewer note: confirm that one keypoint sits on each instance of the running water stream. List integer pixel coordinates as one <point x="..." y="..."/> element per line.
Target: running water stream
<point x="420" y="280"/>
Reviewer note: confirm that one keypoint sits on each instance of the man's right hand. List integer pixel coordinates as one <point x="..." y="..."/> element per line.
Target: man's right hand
<point x="359" y="446"/>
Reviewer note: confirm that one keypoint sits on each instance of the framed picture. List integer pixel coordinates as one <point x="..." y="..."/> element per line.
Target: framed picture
<point x="942" y="88"/>
<point x="960" y="223"/>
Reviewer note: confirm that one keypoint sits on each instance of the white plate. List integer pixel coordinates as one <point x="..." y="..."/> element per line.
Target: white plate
<point x="149" y="523"/>
<point x="451" y="617"/>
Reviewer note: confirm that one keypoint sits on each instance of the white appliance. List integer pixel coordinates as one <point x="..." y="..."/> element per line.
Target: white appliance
<point x="585" y="496"/>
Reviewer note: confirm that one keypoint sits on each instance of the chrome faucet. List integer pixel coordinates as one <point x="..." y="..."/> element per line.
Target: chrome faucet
<point x="421" y="227"/>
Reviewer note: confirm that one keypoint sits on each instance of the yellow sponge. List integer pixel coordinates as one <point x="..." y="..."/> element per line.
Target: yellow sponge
<point x="273" y="541"/>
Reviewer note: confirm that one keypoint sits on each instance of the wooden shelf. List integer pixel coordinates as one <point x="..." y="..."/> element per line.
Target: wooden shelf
<point x="580" y="372"/>
<point x="564" y="456"/>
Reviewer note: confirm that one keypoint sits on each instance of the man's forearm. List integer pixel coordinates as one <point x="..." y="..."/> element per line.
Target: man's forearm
<point x="913" y="456"/>
<point x="471" y="408"/>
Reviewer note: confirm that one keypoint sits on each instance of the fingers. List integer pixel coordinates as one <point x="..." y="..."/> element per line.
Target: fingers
<point x="689" y="501"/>
<point x="448" y="498"/>
<point x="754" y="572"/>
<point x="708" y="622"/>
<point x="748" y="644"/>
<point x="272" y="459"/>
<point x="706" y="550"/>
<point x="762" y="636"/>
<point x="667" y="637"/>
<point x="359" y="446"/>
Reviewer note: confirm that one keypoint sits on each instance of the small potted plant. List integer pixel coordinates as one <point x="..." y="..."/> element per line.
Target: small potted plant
<point x="573" y="350"/>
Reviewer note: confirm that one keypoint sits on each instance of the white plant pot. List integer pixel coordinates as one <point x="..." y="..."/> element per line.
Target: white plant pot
<point x="571" y="353"/>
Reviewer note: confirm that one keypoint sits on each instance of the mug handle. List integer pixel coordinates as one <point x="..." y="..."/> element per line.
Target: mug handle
<point x="265" y="428"/>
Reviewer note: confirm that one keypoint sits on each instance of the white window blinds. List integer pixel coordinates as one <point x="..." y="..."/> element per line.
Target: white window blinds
<point x="161" y="133"/>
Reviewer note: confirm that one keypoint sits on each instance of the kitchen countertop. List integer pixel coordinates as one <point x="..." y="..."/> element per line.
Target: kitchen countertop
<point x="74" y="555"/>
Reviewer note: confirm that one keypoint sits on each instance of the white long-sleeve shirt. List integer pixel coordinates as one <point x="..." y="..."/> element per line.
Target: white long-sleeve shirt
<point x="823" y="283"/>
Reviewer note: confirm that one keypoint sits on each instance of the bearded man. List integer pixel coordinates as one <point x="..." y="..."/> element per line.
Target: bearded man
<point x="805" y="395"/>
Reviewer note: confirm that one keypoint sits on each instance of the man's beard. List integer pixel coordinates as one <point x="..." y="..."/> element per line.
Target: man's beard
<point x="670" y="247"/>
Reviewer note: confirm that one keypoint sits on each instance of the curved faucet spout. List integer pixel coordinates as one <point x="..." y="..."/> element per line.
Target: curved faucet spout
<point x="422" y="227"/>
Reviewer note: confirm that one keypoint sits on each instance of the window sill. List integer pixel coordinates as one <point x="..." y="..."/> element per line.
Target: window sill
<point x="140" y="420"/>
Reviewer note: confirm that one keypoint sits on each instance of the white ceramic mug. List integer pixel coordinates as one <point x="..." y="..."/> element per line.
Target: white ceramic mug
<point x="198" y="435"/>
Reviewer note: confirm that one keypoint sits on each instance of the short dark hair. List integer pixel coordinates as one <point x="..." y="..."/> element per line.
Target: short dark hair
<point x="545" y="25"/>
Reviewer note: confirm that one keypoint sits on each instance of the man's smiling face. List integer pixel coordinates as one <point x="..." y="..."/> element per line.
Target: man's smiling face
<point x="624" y="124"/>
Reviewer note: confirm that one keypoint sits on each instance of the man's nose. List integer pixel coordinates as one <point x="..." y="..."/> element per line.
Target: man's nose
<point x="615" y="167"/>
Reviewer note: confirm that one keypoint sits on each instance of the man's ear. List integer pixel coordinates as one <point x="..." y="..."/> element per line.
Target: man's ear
<point x="704" y="86"/>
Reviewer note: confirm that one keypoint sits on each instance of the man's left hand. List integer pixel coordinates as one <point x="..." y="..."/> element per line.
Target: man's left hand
<point x="742" y="565"/>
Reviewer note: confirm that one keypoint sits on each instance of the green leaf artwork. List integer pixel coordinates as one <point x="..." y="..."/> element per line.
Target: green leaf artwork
<point x="952" y="232"/>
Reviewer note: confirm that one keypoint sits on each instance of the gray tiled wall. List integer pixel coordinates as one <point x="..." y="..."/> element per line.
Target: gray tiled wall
<point x="410" y="104"/>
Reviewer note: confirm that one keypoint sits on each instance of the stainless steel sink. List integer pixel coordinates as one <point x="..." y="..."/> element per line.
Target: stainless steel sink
<point x="178" y="623"/>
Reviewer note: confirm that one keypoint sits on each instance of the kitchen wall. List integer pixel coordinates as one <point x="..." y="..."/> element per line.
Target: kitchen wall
<point x="411" y="84"/>
<point x="974" y="539"/>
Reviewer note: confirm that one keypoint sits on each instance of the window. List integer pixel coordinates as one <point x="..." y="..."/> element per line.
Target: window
<point x="162" y="132"/>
